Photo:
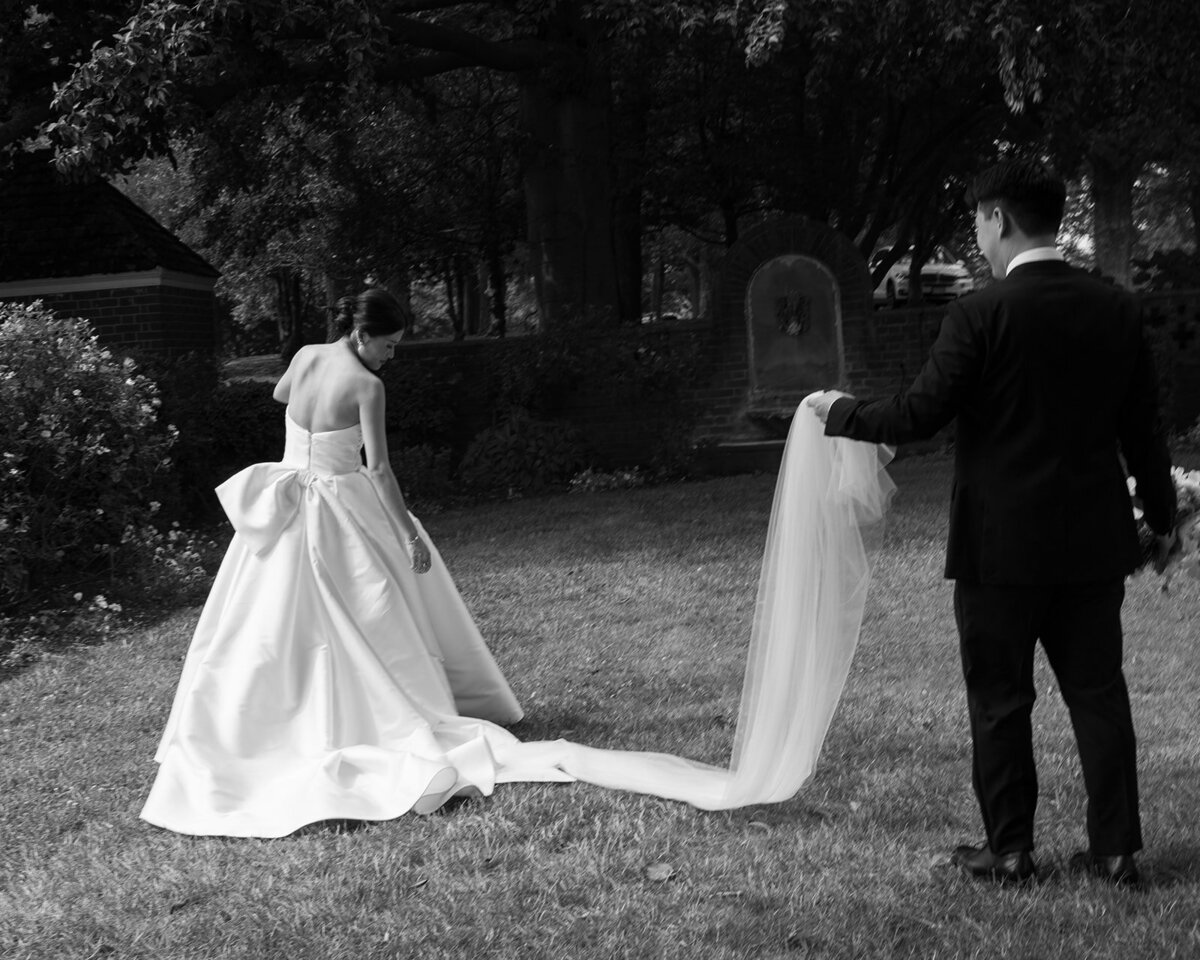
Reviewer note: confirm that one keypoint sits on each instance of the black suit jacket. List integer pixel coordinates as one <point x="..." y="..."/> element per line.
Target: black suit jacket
<point x="1052" y="382"/>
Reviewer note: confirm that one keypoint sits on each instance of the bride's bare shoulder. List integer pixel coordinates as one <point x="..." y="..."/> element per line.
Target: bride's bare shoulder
<point x="306" y="356"/>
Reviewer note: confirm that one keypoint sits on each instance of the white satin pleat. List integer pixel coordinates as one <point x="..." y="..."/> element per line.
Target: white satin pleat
<point x="326" y="680"/>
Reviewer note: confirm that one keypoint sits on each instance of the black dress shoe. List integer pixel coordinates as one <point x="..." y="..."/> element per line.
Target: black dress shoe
<point x="980" y="862"/>
<point x="1120" y="870"/>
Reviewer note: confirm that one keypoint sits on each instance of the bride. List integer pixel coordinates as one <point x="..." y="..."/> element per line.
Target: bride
<point x="335" y="672"/>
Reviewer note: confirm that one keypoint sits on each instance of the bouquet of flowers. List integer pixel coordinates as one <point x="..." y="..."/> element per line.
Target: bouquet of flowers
<point x="1185" y="553"/>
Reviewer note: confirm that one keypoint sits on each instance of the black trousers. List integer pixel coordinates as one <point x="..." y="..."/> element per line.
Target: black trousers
<point x="1079" y="627"/>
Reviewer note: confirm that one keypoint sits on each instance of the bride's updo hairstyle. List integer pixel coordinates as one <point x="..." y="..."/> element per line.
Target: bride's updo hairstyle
<point x="374" y="312"/>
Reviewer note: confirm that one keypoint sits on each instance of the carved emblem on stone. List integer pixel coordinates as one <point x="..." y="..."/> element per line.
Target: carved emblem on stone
<point x="793" y="312"/>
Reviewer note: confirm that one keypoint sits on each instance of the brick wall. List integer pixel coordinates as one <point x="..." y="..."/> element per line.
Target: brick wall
<point x="726" y="413"/>
<point x="158" y="318"/>
<point x="884" y="349"/>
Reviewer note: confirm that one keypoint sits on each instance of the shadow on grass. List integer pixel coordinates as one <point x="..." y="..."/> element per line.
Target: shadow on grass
<point x="62" y="630"/>
<point x="1173" y="865"/>
<point x="577" y="725"/>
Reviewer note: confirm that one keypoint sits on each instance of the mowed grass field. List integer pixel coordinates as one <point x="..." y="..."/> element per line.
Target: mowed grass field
<point x="621" y="619"/>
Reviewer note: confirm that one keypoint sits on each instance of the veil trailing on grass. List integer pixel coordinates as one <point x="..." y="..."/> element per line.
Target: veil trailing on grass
<point x="811" y="593"/>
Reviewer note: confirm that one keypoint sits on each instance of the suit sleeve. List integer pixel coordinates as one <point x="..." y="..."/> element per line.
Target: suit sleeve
<point x="1143" y="442"/>
<point x="950" y="373"/>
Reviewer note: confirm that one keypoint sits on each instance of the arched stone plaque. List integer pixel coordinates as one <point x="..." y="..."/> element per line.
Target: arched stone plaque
<point x="793" y="322"/>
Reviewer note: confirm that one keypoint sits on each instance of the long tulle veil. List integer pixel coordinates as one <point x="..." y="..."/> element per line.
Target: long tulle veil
<point x="811" y="594"/>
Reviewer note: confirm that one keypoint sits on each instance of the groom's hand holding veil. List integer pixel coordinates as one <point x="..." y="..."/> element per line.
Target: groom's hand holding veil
<point x="821" y="402"/>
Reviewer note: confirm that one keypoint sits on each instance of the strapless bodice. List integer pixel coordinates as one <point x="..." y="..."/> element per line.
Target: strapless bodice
<point x="326" y="453"/>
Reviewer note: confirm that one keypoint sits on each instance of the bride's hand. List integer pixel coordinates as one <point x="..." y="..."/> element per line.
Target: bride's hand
<point x="420" y="554"/>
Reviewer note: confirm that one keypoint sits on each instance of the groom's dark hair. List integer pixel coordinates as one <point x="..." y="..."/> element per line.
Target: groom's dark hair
<point x="1029" y="192"/>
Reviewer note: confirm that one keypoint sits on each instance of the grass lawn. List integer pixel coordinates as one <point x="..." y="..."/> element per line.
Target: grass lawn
<point x="621" y="619"/>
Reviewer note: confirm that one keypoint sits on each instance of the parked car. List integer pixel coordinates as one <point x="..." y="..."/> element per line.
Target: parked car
<point x="943" y="278"/>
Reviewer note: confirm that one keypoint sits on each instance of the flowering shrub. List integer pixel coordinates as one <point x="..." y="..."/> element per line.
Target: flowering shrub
<point x="155" y="566"/>
<point x="167" y="565"/>
<point x="81" y="446"/>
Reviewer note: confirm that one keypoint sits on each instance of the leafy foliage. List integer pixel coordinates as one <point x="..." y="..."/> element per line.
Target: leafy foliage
<point x="1168" y="270"/>
<point x="167" y="563"/>
<point x="424" y="474"/>
<point x="235" y="425"/>
<point x="523" y="454"/>
<point x="82" y="445"/>
<point x="424" y="400"/>
<point x="358" y="137"/>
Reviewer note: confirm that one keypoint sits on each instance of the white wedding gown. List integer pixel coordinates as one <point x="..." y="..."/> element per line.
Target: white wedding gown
<point x="326" y="680"/>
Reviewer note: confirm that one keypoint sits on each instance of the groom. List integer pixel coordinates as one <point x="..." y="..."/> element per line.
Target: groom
<point x="1052" y="383"/>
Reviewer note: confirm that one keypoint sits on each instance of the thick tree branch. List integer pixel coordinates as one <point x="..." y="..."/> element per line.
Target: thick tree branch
<point x="449" y="48"/>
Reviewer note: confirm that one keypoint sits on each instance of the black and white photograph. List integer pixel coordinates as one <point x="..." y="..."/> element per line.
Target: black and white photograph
<point x="599" y="480"/>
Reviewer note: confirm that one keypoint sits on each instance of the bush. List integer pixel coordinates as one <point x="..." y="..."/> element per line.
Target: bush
<point x="424" y="401"/>
<point x="423" y="473"/>
<point x="221" y="428"/>
<point x="521" y="455"/>
<point x="641" y="379"/>
<point x="1168" y="270"/>
<point x="82" y="447"/>
<point x="169" y="565"/>
<point x="186" y="385"/>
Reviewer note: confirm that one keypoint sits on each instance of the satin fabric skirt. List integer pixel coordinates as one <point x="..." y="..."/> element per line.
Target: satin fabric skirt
<point x="325" y="679"/>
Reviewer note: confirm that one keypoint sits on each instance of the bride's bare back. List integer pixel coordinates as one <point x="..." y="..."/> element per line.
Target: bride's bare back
<point x="324" y="387"/>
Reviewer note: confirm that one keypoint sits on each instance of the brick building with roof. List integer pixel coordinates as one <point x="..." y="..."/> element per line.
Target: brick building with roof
<point x="86" y="250"/>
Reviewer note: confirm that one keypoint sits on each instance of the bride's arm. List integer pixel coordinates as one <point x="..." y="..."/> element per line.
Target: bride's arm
<point x="379" y="469"/>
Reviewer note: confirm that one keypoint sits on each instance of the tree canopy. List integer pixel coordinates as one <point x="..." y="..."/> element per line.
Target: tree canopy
<point x="397" y="137"/>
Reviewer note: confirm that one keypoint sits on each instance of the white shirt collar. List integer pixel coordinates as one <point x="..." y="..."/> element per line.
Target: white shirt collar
<point x="1033" y="255"/>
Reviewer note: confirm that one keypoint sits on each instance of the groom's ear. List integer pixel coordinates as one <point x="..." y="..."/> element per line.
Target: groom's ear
<point x="1006" y="223"/>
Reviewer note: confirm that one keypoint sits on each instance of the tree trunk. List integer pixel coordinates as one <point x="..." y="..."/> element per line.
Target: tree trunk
<point x="1194" y="206"/>
<point x="1112" y="202"/>
<point x="729" y="218"/>
<point x="335" y="288"/>
<point x="916" y="293"/>
<point x="498" y="280"/>
<point x="630" y="114"/>
<point x="289" y="310"/>
<point x="657" y="281"/>
<point x="453" y="298"/>
<point x="565" y="113"/>
<point x="699" y="270"/>
<point x="472" y="295"/>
